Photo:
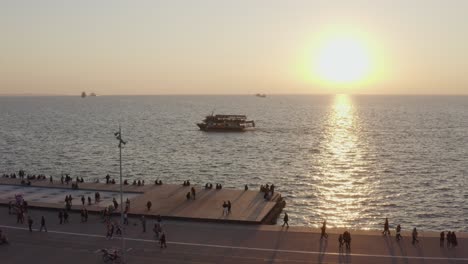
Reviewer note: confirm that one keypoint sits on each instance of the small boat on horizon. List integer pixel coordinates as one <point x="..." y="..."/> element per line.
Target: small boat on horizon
<point x="261" y="95"/>
<point x="83" y="95"/>
<point x="237" y="123"/>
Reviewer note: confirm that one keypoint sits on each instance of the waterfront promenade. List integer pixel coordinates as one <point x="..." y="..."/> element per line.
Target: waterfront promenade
<point x="199" y="242"/>
<point x="168" y="200"/>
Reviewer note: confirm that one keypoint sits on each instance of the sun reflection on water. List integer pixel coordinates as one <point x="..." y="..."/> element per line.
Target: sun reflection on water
<point x="344" y="189"/>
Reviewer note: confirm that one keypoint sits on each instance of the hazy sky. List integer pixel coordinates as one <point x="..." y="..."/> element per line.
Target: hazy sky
<point x="226" y="47"/>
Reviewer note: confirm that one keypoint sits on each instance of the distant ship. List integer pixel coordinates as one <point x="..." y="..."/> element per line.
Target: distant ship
<point x="260" y="95"/>
<point x="83" y="95"/>
<point x="226" y="123"/>
<point x="92" y="94"/>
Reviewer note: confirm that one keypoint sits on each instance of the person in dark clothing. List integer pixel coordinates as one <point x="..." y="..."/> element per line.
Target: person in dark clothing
<point x="323" y="229"/>
<point x="89" y="200"/>
<point x="386" y="228"/>
<point x="192" y="190"/>
<point x="43" y="224"/>
<point x="162" y="241"/>
<point x="340" y="241"/>
<point x="148" y="205"/>
<point x="285" y="220"/>
<point x="347" y="239"/>
<point x="454" y="239"/>
<point x="30" y="223"/>
<point x="83" y="200"/>
<point x="415" y="236"/>
<point x="60" y="216"/>
<point x="228" y="207"/>
<point x="107" y="178"/>
<point x="65" y="217"/>
<point x="442" y="238"/>
<point x="398" y="233"/>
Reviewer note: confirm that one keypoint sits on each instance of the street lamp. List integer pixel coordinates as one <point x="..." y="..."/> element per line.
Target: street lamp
<point x="118" y="136"/>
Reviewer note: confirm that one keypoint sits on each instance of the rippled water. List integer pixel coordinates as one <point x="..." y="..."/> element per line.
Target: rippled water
<point x="350" y="159"/>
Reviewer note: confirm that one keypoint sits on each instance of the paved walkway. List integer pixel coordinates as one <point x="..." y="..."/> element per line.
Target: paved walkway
<point x="190" y="242"/>
<point x="167" y="200"/>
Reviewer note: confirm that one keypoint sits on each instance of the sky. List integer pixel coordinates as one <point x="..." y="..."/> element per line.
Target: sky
<point x="233" y="47"/>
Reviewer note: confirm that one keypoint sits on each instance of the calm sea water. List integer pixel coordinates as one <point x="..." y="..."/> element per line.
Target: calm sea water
<point x="352" y="160"/>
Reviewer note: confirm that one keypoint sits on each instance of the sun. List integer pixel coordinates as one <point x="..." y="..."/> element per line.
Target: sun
<point x="342" y="60"/>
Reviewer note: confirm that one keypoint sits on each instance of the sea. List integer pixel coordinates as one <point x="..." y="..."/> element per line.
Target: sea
<point x="352" y="160"/>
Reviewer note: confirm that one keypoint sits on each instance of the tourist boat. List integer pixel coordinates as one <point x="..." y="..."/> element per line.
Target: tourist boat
<point x="261" y="95"/>
<point x="92" y="94"/>
<point x="226" y="123"/>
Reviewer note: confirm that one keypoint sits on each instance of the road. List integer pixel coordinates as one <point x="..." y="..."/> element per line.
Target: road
<point x="190" y="242"/>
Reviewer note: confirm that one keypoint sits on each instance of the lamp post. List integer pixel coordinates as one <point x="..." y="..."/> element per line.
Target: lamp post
<point x="118" y="136"/>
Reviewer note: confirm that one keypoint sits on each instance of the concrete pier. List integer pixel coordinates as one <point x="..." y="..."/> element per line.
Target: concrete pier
<point x="168" y="200"/>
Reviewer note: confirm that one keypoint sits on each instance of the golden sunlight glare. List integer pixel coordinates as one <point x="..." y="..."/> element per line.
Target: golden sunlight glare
<point x="342" y="60"/>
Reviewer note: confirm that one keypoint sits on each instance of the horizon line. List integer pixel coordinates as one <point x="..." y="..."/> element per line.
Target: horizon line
<point x="207" y="94"/>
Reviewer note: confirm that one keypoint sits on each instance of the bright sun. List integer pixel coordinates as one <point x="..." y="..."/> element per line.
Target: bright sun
<point x="342" y="60"/>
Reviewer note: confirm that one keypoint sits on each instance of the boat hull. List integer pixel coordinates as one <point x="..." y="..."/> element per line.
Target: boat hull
<point x="205" y="127"/>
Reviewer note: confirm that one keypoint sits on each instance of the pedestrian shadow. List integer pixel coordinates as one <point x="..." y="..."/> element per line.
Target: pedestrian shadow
<point x="322" y="249"/>
<point x="390" y="247"/>
<point x="344" y="256"/>
<point x="402" y="248"/>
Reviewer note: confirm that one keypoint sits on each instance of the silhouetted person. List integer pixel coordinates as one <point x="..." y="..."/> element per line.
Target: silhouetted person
<point x="65" y="217"/>
<point x="454" y="239"/>
<point x="398" y="233"/>
<point x="285" y="220"/>
<point x="386" y="228"/>
<point x="30" y="223"/>
<point x="148" y="205"/>
<point x="43" y="224"/>
<point x="246" y="187"/>
<point x="60" y="216"/>
<point x="229" y="207"/>
<point x="340" y="241"/>
<point x="192" y="190"/>
<point x="415" y="236"/>
<point x="83" y="200"/>
<point x="442" y="238"/>
<point x="323" y="229"/>
<point x="162" y="241"/>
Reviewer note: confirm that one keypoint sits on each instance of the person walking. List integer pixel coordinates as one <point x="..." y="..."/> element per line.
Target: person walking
<point x="193" y="192"/>
<point x="125" y="218"/>
<point x="30" y="223"/>
<point x="229" y="207"/>
<point x="143" y="223"/>
<point x="60" y="216"/>
<point x="324" y="229"/>
<point x="162" y="241"/>
<point x="43" y="224"/>
<point x="415" y="236"/>
<point x="285" y="220"/>
<point x="340" y="241"/>
<point x="386" y="228"/>
<point x="398" y="233"/>
<point x="65" y="217"/>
